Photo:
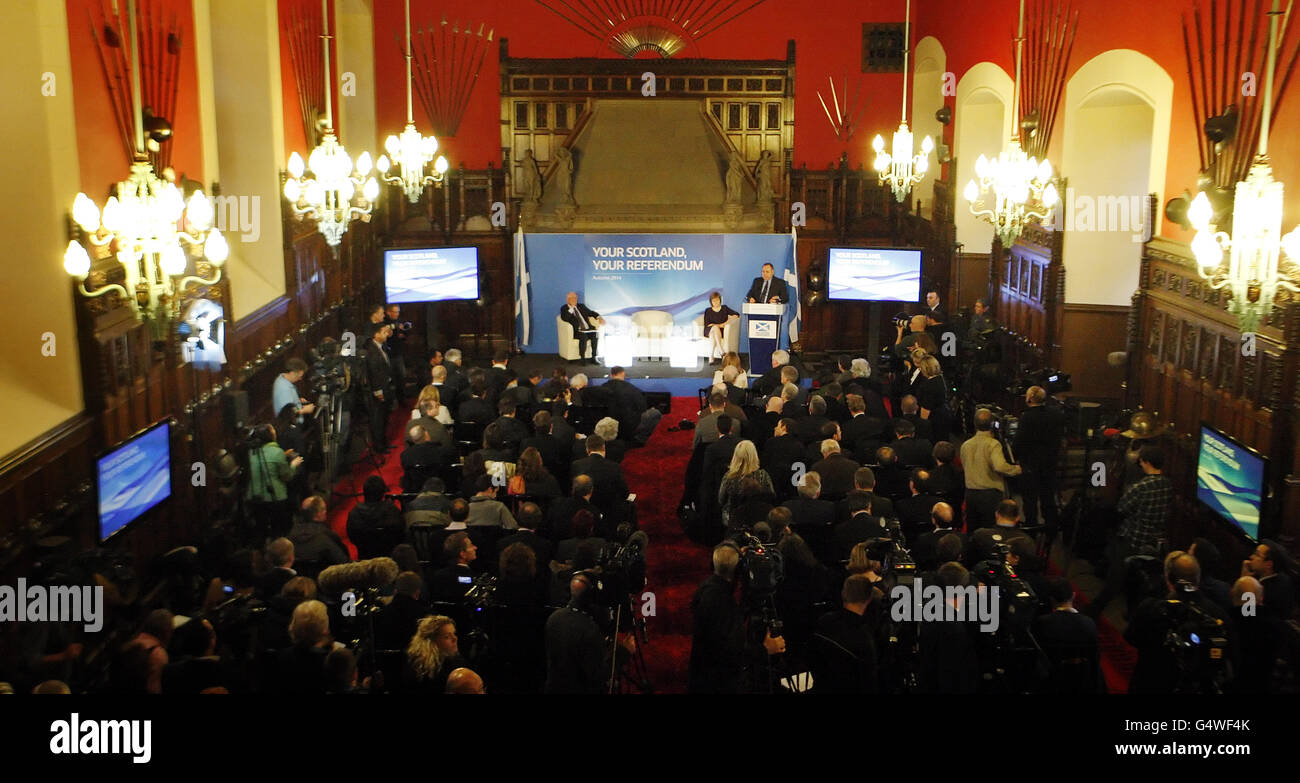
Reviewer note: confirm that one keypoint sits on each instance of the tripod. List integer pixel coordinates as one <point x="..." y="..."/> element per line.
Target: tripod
<point x="639" y="675"/>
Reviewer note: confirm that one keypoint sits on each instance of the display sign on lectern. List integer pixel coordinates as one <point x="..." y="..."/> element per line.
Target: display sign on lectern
<point x="764" y="330"/>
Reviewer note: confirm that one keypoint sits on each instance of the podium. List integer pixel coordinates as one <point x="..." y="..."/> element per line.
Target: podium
<point x="763" y="325"/>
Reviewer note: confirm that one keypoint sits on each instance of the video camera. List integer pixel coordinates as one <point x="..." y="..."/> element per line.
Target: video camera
<point x="1198" y="644"/>
<point x="1005" y="425"/>
<point x="1052" y="381"/>
<point x="622" y="569"/>
<point x="761" y="567"/>
<point x="331" y="372"/>
<point x="1018" y="600"/>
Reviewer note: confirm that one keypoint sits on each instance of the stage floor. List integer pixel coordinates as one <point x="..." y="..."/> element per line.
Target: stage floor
<point x="646" y="375"/>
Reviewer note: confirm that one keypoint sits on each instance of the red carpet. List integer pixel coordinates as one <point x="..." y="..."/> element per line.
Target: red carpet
<point x="350" y="484"/>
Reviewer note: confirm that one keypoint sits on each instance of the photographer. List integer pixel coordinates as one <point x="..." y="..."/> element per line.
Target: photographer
<point x="575" y="644"/>
<point x="718" y="641"/>
<point x="1182" y="640"/>
<point x="285" y="391"/>
<point x="843" y="654"/>
<point x="401" y="331"/>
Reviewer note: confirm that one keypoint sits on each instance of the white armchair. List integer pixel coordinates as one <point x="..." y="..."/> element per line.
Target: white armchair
<point x="730" y="336"/>
<point x="654" y="329"/>
<point x="567" y="342"/>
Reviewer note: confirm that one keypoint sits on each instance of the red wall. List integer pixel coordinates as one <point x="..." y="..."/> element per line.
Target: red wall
<point x="103" y="161"/>
<point x="294" y="139"/>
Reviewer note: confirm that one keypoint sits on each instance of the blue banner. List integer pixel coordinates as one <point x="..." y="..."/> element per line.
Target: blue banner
<point x="620" y="274"/>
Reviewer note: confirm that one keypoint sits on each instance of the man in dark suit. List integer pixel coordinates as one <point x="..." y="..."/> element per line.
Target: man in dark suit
<point x="770" y="382"/>
<point x="575" y="645"/>
<point x="1066" y="635"/>
<point x="891" y="477"/>
<point x="768" y="289"/>
<point x="912" y="452"/>
<point x="611" y="491"/>
<point x="513" y="430"/>
<point x="279" y="554"/>
<point x="810" y="426"/>
<point x="1005" y="529"/>
<point x="830" y="431"/>
<point x="1268" y="563"/>
<point x="836" y="470"/>
<point x="553" y="455"/>
<point x="584" y="321"/>
<point x="530" y="519"/>
<point x="452" y="582"/>
<point x="629" y="406"/>
<point x="864" y="483"/>
<point x="561" y="429"/>
<point x="1037" y="447"/>
<point x="456" y="380"/>
<point x="925" y="547"/>
<point x="398" y="620"/>
<point x="863" y="433"/>
<point x="379" y="378"/>
<point x="836" y="409"/>
<point x="717" y="457"/>
<point x="862" y="524"/>
<point x="499" y="375"/>
<point x="911" y="412"/>
<point x="934" y="308"/>
<point x="423" y="459"/>
<point x="475" y="408"/>
<point x="780" y="453"/>
<point x="914" y="511"/>
<point x="843" y="653"/>
<point x="946" y="480"/>
<point x="809" y="509"/>
<point x="559" y="520"/>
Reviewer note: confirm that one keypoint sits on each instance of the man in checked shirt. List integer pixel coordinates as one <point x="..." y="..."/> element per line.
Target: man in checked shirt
<point x="1145" y="508"/>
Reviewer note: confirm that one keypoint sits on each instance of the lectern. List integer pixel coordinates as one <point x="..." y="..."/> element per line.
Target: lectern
<point x="763" y="324"/>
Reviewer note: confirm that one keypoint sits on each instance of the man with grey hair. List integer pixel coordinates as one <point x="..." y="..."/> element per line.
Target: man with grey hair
<point x="809" y="509"/>
<point x="836" y="471"/>
<point x="772" y="378"/>
<point x="718" y="635"/>
<point x="730" y="374"/>
<point x="607" y="428"/>
<point x="456" y="380"/>
<point x="279" y="555"/>
<point x="584" y="321"/>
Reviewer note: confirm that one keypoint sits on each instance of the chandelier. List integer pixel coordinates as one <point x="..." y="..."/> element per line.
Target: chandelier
<point x="902" y="169"/>
<point x="411" y="151"/>
<point x="148" y="226"/>
<point x="1256" y="244"/>
<point x="330" y="195"/>
<point x="1016" y="188"/>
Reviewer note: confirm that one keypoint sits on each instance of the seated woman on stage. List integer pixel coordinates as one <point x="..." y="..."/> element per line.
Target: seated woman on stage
<point x="732" y="359"/>
<point x="715" y="319"/>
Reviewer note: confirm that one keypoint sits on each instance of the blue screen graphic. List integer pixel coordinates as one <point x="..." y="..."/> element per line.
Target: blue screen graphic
<point x="430" y="275"/>
<point x="134" y="478"/>
<point x="1230" y="480"/>
<point x="867" y="275"/>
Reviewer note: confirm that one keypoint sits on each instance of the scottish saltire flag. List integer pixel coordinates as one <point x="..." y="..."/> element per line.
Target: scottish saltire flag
<point x="792" y="282"/>
<point x="521" y="283"/>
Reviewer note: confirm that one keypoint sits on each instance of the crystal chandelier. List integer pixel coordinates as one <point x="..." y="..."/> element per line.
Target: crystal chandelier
<point x="330" y="195"/>
<point x="1256" y="244"/>
<point x="411" y="151"/>
<point x="901" y="169"/>
<point x="1017" y="188"/>
<point x="144" y="225"/>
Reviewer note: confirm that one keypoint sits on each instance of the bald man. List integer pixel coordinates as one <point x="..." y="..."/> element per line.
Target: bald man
<point x="1158" y="669"/>
<point x="464" y="680"/>
<point x="575" y="646"/>
<point x="584" y="321"/>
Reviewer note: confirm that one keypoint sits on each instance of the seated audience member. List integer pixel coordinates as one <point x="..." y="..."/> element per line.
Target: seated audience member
<point x="810" y="426"/>
<point x="607" y="428"/>
<point x="836" y="471"/>
<point x="427" y="418"/>
<point x="279" y="555"/>
<point x="744" y="465"/>
<point x="279" y="611"/>
<point x="864" y="482"/>
<point x="779" y="520"/>
<point x="553" y="450"/>
<point x="559" y="521"/>
<point x="431" y="505"/>
<point x="513" y="431"/>
<point x="517" y="583"/>
<point x="843" y="653"/>
<point x="862" y="432"/>
<point x="1217" y="590"/>
<point x="861" y="525"/>
<point x="1269" y="563"/>
<point x="532" y="477"/>
<point x="475" y="408"/>
<point x="423" y="459"/>
<point x="1070" y="641"/>
<point x="891" y="476"/>
<point x="837" y="410"/>
<point x="910" y="412"/>
<point x="195" y="665"/>
<point x="925" y="548"/>
<point x="432" y="654"/>
<point x="485" y="510"/>
<point x="780" y="453"/>
<point x="772" y="378"/>
<point x="949" y="659"/>
<point x="314" y="542"/>
<point x="731" y="379"/>
<point x="830" y="431"/>
<point x="465" y="681"/>
<point x="706" y="429"/>
<point x="912" y="451"/>
<point x="752" y="505"/>
<point x="583" y="533"/>
<point x="611" y="490"/>
<point x="341" y="672"/>
<point x="497" y="459"/>
<point x="301" y="667"/>
<point x="914" y="511"/>
<point x="375" y="525"/>
<point x="1256" y="635"/>
<point x="449" y="584"/>
<point x="946" y="479"/>
<point x="809" y="509"/>
<point x="397" y="621"/>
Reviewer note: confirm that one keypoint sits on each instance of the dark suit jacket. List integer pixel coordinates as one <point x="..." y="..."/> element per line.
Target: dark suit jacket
<point x="809" y="428"/>
<point x="837" y="475"/>
<point x="892" y="482"/>
<point x="836" y="410"/>
<point x="554" y="457"/>
<point x="497" y="379"/>
<point x="475" y="409"/>
<point x="514" y="433"/>
<point x="1038" y="441"/>
<point x="914" y="514"/>
<point x="856" y="530"/>
<point x="811" y="512"/>
<point x="397" y="622"/>
<point x="777" y="457"/>
<point x="540" y="545"/>
<point x="768" y="382"/>
<point x="862" y="430"/>
<point x="777" y="289"/>
<point x="379" y="375"/>
<point x="275" y="579"/>
<point x="843" y="654"/>
<point x="913" y="452"/>
<point x="607" y="475"/>
<point x="812" y="454"/>
<point x="880" y="507"/>
<point x="983" y="540"/>
<point x="717" y="457"/>
<point x="449" y="584"/>
<point x="574" y="321"/>
<point x="924" y="431"/>
<point x="438" y="432"/>
<point x="421" y="461"/>
<point x="627" y="406"/>
<point x="559" y="518"/>
<point x="926" y="548"/>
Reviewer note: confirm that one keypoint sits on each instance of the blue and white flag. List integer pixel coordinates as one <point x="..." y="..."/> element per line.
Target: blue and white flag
<point x="521" y="286"/>
<point x="792" y="282"/>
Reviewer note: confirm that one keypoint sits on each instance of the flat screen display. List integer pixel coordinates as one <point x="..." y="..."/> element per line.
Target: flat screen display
<point x="133" y="478"/>
<point x="436" y="274"/>
<point x="865" y="274"/>
<point x="1230" y="480"/>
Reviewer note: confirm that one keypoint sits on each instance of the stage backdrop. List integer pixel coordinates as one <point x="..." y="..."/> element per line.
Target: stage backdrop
<point x="619" y="274"/>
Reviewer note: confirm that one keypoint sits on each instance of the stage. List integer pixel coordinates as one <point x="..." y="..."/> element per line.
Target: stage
<point x="650" y="376"/>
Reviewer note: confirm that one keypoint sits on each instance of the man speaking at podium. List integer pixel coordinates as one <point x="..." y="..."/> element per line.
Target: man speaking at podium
<point x="767" y="289"/>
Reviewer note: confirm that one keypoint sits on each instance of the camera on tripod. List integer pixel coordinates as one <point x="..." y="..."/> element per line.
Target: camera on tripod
<point x="622" y="570"/>
<point x="1050" y="379"/>
<point x="482" y="593"/>
<point x="761" y="567"/>
<point x="330" y="373"/>
<point x="1197" y="642"/>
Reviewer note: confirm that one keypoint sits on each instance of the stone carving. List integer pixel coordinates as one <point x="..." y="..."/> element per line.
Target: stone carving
<point x="563" y="179"/>
<point x="735" y="178"/>
<point x="763" y="174"/>
<point x="530" y="179"/>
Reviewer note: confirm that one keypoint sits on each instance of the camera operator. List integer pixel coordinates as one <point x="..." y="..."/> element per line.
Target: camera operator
<point x="396" y="345"/>
<point x="718" y="640"/>
<point x="843" y="653"/>
<point x="986" y="468"/>
<point x="911" y="332"/>
<point x="575" y="644"/>
<point x="1182" y="640"/>
<point x="285" y="392"/>
<point x="1037" y="447"/>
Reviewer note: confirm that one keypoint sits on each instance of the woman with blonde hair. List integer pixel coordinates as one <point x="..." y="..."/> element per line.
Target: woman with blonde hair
<point x="432" y="654"/>
<point x="931" y="392"/>
<point x="732" y="359"/>
<point x="744" y="465"/>
<point x="431" y="395"/>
